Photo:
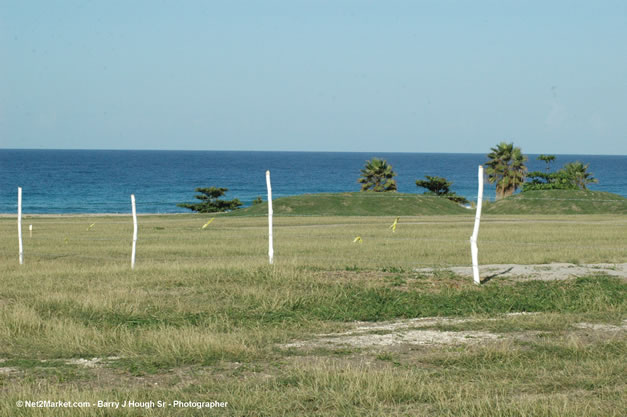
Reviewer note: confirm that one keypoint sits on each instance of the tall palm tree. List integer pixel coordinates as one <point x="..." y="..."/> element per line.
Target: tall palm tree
<point x="378" y="176"/>
<point x="506" y="167"/>
<point x="578" y="174"/>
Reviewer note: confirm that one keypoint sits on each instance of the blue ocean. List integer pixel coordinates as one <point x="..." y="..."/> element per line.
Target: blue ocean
<point x="101" y="181"/>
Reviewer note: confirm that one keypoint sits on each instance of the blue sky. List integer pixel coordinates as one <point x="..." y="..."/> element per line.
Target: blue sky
<point x="395" y="76"/>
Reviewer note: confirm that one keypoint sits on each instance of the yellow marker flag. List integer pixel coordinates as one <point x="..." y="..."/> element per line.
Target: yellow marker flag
<point x="90" y="226"/>
<point x="208" y="223"/>
<point x="358" y="240"/>
<point x="393" y="227"/>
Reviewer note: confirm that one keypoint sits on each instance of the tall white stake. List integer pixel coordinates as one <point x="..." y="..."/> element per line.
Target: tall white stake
<point x="473" y="239"/>
<point x="19" y="223"/>
<point x="134" y="231"/>
<point x="270" y="247"/>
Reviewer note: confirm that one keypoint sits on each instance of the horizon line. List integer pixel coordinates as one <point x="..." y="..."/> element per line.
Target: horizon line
<point x="288" y="151"/>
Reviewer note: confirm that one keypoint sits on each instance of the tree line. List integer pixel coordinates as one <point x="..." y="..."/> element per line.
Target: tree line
<point x="505" y="168"/>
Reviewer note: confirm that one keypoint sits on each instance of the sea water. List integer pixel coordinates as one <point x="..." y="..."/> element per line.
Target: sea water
<point x="101" y="181"/>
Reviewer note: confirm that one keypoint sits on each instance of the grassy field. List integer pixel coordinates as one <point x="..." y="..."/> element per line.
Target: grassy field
<point x="355" y="204"/>
<point x="560" y="202"/>
<point x="203" y="317"/>
<point x="397" y="204"/>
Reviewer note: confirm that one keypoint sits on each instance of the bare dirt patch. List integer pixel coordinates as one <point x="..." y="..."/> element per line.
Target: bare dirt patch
<point x="411" y="337"/>
<point x="8" y="370"/>
<point x="393" y="333"/>
<point x="420" y="332"/>
<point x="601" y="327"/>
<point x="545" y="272"/>
<point x="91" y="363"/>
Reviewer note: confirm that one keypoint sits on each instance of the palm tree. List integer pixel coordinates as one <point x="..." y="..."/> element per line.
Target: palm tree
<point x="378" y="176"/>
<point x="506" y="168"/>
<point x="578" y="174"/>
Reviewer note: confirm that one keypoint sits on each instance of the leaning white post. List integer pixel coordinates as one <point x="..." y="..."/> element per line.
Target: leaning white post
<point x="19" y="224"/>
<point x="134" y="231"/>
<point x="474" y="251"/>
<point x="270" y="247"/>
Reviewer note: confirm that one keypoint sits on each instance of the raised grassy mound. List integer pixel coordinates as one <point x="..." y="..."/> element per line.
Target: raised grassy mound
<point x="560" y="202"/>
<point x="356" y="204"/>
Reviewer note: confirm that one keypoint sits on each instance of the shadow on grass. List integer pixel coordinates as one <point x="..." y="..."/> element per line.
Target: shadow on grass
<point x="489" y="278"/>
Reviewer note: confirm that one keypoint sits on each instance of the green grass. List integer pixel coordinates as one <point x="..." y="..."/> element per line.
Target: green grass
<point x="356" y="204"/>
<point x="560" y="202"/>
<point x="203" y="317"/>
<point x="397" y="204"/>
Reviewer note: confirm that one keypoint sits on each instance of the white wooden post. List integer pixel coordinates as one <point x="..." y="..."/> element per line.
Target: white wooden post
<point x="134" y="231"/>
<point x="474" y="251"/>
<point x="30" y="230"/>
<point x="270" y="247"/>
<point x="19" y="224"/>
